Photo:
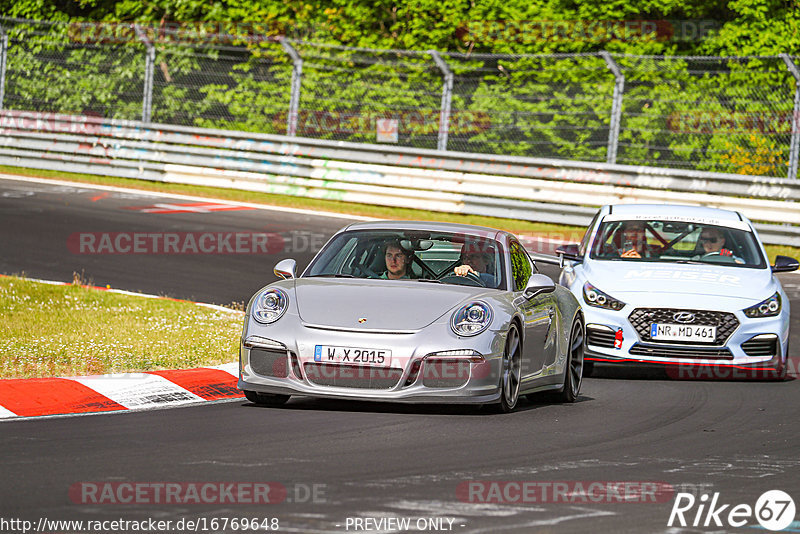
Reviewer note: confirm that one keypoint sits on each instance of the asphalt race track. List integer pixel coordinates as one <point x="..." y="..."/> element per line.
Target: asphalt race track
<point x="342" y="461"/>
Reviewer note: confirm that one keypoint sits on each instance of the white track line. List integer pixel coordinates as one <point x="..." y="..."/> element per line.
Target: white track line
<point x="142" y="192"/>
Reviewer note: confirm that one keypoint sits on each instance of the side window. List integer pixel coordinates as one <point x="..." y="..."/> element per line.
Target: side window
<point x="584" y="246"/>
<point x="521" y="268"/>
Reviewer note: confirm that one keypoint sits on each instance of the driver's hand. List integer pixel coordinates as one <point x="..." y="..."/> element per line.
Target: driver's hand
<point x="464" y="270"/>
<point x="632" y="253"/>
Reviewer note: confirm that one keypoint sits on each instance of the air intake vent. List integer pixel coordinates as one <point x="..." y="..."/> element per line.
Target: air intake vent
<point x="600" y="337"/>
<point x="761" y="346"/>
<point x="267" y="362"/>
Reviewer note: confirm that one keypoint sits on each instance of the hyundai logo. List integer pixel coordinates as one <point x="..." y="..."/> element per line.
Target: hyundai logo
<point x="684" y="317"/>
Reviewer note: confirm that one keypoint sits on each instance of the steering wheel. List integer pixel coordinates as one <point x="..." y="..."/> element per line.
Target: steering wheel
<point x="471" y="279"/>
<point x="710" y="255"/>
<point x="367" y="272"/>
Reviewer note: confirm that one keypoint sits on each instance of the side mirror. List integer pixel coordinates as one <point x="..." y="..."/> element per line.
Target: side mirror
<point x="286" y="269"/>
<point x="538" y="284"/>
<point x="785" y="264"/>
<point x="568" y="252"/>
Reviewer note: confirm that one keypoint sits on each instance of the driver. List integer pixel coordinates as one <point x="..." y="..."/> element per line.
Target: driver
<point x="475" y="260"/>
<point x="713" y="242"/>
<point x="397" y="262"/>
<point x="634" y="240"/>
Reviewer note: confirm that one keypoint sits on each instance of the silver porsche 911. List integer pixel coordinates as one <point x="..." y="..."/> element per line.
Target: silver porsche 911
<point x="413" y="312"/>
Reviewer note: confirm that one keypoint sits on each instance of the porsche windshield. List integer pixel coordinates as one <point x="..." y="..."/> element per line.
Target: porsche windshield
<point x="672" y="241"/>
<point x="435" y="257"/>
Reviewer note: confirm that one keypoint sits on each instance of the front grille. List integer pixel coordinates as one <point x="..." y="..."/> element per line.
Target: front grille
<point x="445" y="373"/>
<point x="352" y="376"/>
<point x="681" y="352"/>
<point x="642" y="318"/>
<point x="761" y="346"/>
<point x="266" y="362"/>
<point x="600" y="337"/>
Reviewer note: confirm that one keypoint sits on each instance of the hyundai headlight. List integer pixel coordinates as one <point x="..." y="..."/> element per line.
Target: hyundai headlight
<point x="766" y="308"/>
<point x="598" y="299"/>
<point x="270" y="305"/>
<point x="471" y="319"/>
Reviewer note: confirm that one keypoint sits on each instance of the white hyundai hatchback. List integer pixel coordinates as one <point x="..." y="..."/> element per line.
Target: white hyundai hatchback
<point x="684" y="287"/>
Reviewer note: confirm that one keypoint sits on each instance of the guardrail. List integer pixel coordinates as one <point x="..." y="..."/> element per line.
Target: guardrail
<point x="545" y="190"/>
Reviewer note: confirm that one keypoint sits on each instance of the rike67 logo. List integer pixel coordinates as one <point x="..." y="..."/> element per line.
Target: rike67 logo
<point x="774" y="510"/>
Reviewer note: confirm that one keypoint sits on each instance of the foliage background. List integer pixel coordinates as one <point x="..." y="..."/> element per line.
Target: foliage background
<point x="730" y="115"/>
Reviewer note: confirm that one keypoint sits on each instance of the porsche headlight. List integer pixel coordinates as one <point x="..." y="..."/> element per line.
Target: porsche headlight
<point x="471" y="319"/>
<point x="766" y="308"/>
<point x="270" y="305"/>
<point x="598" y="299"/>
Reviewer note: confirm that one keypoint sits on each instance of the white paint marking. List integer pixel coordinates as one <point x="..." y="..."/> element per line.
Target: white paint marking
<point x="156" y="194"/>
<point x="584" y="513"/>
<point x="232" y="368"/>
<point x="453" y="508"/>
<point x="4" y="413"/>
<point x="139" y="391"/>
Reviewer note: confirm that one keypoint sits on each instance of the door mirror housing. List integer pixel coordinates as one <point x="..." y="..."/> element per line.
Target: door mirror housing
<point x="286" y="269"/>
<point x="538" y="284"/>
<point x="784" y="264"/>
<point x="568" y="252"/>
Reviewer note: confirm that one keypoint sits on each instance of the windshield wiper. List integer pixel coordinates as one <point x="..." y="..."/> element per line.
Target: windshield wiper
<point x="691" y="262"/>
<point x="429" y="280"/>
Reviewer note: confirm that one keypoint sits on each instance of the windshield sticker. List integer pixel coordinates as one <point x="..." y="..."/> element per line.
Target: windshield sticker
<point x="739" y="225"/>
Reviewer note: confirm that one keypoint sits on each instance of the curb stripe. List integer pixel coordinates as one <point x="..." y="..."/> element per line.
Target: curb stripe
<point x="51" y="396"/>
<point x="34" y="397"/>
<point x="209" y="384"/>
<point x="138" y="391"/>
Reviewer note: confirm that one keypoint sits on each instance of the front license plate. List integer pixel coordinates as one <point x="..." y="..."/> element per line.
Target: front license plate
<point x="354" y="355"/>
<point x="683" y="332"/>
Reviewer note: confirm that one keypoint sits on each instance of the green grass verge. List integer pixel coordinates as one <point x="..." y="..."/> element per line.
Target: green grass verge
<point x="70" y="330"/>
<point x="561" y="232"/>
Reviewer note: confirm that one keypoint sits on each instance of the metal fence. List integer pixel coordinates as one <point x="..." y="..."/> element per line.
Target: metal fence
<point x="722" y="114"/>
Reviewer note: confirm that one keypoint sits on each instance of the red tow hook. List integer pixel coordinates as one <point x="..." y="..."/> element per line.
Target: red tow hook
<point x="618" y="339"/>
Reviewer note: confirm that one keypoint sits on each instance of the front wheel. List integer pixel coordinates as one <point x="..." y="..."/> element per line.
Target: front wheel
<point x="573" y="373"/>
<point x="510" y="372"/>
<point x="266" y="399"/>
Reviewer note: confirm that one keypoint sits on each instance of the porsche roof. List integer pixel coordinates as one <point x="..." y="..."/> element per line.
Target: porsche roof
<point x="425" y="225"/>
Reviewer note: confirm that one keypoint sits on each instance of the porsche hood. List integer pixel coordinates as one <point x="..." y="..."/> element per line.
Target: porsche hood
<point x="395" y="305"/>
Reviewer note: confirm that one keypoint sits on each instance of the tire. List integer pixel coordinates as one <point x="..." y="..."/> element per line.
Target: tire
<point x="573" y="373"/>
<point x="510" y="372"/>
<point x="266" y="399"/>
<point x="781" y="370"/>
